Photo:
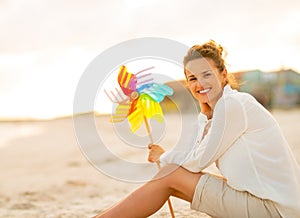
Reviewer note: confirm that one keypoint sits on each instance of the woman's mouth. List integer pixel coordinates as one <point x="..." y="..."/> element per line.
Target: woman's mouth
<point x="204" y="91"/>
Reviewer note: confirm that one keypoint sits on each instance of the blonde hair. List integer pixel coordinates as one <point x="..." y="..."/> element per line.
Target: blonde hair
<point x="213" y="51"/>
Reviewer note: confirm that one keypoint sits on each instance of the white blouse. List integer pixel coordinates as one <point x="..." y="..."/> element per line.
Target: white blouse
<point x="249" y="149"/>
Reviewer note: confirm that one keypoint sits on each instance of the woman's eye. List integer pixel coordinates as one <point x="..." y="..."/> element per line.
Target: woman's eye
<point x="207" y="75"/>
<point x="192" y="79"/>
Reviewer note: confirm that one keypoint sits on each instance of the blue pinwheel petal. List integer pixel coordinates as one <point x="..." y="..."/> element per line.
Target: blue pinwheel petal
<point x="166" y="90"/>
<point x="156" y="91"/>
<point x="145" y="86"/>
<point x="156" y="96"/>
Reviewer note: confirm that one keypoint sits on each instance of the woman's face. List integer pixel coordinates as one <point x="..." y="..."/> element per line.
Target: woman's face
<point x="205" y="81"/>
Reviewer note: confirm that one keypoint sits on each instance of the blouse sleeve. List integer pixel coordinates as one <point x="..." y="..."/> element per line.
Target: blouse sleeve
<point x="180" y="152"/>
<point x="228" y="124"/>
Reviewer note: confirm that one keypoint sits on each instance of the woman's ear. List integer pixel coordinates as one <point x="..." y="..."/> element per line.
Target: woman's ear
<point x="224" y="74"/>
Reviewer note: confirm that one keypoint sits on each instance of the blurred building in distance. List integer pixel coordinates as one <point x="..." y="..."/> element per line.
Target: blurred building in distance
<point x="277" y="89"/>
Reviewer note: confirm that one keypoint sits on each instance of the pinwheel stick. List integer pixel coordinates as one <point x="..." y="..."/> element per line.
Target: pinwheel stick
<point x="158" y="165"/>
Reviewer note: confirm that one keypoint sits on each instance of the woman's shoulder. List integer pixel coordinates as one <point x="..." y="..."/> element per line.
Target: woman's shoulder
<point x="231" y="100"/>
<point x="238" y="95"/>
<point x="234" y="100"/>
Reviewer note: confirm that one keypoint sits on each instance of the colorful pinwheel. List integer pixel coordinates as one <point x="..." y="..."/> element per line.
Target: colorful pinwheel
<point x="143" y="98"/>
<point x="142" y="102"/>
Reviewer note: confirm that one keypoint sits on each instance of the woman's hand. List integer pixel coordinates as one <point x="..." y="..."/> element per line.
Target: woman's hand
<point x="155" y="151"/>
<point x="206" y="110"/>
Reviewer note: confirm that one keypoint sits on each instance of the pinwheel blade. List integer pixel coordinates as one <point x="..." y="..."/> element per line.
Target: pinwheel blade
<point x="120" y="114"/>
<point x="143" y="78"/>
<point x="116" y="97"/>
<point x="136" y="119"/>
<point x="156" y="91"/>
<point x="151" y="108"/>
<point x="127" y="81"/>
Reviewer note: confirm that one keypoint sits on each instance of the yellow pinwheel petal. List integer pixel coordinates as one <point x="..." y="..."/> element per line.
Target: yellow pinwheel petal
<point x="151" y="108"/>
<point x="145" y="107"/>
<point x="121" y="113"/>
<point x="136" y="119"/>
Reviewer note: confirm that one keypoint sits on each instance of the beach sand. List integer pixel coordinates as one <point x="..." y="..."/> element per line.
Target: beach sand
<point x="44" y="172"/>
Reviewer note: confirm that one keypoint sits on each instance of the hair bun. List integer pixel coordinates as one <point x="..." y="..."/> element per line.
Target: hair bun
<point x="215" y="46"/>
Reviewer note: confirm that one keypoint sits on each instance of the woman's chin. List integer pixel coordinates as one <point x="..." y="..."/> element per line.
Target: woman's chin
<point x="203" y="100"/>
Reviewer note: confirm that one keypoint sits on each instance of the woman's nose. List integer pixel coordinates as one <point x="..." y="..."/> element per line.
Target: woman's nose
<point x="200" y="82"/>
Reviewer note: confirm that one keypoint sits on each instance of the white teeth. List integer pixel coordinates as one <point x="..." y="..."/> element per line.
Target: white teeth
<point x="204" y="91"/>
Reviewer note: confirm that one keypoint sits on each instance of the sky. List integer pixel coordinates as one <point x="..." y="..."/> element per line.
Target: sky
<point x="47" y="44"/>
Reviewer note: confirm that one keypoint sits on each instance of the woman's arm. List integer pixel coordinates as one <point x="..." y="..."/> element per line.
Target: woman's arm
<point x="186" y="144"/>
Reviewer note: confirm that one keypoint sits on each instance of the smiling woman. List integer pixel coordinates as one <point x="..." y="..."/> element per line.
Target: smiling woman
<point x="260" y="176"/>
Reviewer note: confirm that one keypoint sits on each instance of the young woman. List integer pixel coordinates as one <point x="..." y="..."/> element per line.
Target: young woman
<point x="260" y="176"/>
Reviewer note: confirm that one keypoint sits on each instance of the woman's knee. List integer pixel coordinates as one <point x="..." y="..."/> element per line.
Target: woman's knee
<point x="178" y="181"/>
<point x="176" y="176"/>
<point x="167" y="172"/>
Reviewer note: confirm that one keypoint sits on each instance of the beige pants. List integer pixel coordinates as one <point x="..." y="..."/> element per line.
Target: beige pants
<point x="215" y="198"/>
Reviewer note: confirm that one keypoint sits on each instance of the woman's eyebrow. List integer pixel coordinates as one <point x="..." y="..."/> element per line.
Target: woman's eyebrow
<point x="194" y="74"/>
<point x="191" y="75"/>
<point x="205" y="71"/>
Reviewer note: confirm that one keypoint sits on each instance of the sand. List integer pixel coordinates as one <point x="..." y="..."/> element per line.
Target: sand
<point x="44" y="172"/>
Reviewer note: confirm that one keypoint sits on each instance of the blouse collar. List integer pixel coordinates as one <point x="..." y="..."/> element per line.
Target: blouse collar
<point x="226" y="91"/>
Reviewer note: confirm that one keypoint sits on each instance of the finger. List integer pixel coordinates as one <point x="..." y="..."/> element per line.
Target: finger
<point x="150" y="159"/>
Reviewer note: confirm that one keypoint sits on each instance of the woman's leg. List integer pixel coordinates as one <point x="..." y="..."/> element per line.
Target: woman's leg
<point x="146" y="200"/>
